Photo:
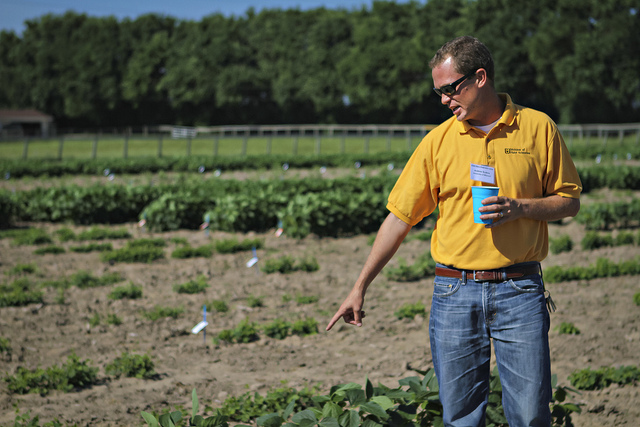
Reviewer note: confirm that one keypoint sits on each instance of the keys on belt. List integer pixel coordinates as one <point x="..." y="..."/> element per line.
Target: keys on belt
<point x="498" y="275"/>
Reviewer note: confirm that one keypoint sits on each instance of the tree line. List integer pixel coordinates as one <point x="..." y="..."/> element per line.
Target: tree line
<point x="577" y="60"/>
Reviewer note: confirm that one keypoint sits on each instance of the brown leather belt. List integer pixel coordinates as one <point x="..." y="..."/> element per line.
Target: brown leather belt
<point x="497" y="275"/>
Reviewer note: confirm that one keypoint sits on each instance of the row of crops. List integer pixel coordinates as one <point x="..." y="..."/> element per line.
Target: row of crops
<point x="326" y="207"/>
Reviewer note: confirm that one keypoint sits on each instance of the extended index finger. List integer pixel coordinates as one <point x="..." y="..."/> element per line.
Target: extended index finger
<point x="334" y="319"/>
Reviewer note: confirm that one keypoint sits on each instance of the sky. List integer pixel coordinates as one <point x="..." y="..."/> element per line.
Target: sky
<point x="13" y="13"/>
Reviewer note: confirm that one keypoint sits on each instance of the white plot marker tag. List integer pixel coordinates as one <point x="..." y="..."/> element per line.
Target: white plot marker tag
<point x="253" y="260"/>
<point x="200" y="326"/>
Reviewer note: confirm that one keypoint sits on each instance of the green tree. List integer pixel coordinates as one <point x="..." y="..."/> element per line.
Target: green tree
<point x="147" y="43"/>
<point x="586" y="54"/>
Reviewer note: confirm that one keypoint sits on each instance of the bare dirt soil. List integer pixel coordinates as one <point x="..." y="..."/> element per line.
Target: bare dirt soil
<point x="385" y="349"/>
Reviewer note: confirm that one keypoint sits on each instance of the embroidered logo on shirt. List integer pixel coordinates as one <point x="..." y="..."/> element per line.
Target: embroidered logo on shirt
<point x="516" y="151"/>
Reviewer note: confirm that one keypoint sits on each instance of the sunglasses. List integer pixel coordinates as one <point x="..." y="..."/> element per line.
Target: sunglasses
<point x="451" y="88"/>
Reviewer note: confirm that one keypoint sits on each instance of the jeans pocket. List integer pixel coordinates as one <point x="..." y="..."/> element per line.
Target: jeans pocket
<point x="530" y="285"/>
<point x="445" y="286"/>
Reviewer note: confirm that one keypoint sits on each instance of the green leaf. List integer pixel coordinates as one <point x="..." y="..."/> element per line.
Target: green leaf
<point x="370" y="423"/>
<point x="217" y="420"/>
<point x="349" y="386"/>
<point x="270" y="420"/>
<point x="196" y="420"/>
<point x="408" y="380"/>
<point x="306" y="415"/>
<point x="150" y="419"/>
<point x="398" y="394"/>
<point x="331" y="409"/>
<point x="572" y="407"/>
<point x="329" y="422"/>
<point x="176" y="416"/>
<point x="166" y="421"/>
<point x="432" y="382"/>
<point x="356" y="397"/>
<point x="349" y="418"/>
<point x="374" y="409"/>
<point x="384" y="402"/>
<point x="195" y="406"/>
<point x="368" y="389"/>
<point x="289" y="410"/>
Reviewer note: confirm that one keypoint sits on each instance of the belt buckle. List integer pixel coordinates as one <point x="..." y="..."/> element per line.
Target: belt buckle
<point x="474" y="276"/>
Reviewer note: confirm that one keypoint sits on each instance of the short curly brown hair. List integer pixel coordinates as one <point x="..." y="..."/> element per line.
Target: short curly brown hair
<point x="468" y="53"/>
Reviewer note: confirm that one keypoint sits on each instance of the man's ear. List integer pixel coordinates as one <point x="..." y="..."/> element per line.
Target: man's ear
<point x="482" y="77"/>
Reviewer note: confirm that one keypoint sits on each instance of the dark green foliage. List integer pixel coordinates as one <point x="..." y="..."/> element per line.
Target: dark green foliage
<point x="255" y="301"/>
<point x="49" y="249"/>
<point x="560" y="244"/>
<point x="158" y="242"/>
<point x="8" y="208"/>
<point x="75" y="374"/>
<point x="83" y="279"/>
<point x="605" y="216"/>
<point x="139" y="165"/>
<point x="19" y="293"/>
<point x="278" y="329"/>
<point x="232" y="245"/>
<point x="65" y="234"/>
<point x="636" y="299"/>
<point x="113" y="319"/>
<point x="21" y="269"/>
<point x="251" y="406"/>
<point x="243" y="333"/>
<point x="333" y="213"/>
<point x="145" y="251"/>
<point x="196" y="286"/>
<point x="163" y="312"/>
<point x="594" y="240"/>
<point x="614" y="177"/>
<point x="602" y="268"/>
<point x="587" y="379"/>
<point x="131" y="365"/>
<point x="176" y="210"/>
<point x="25" y="420"/>
<point x="99" y="233"/>
<point x="92" y="247"/>
<point x="287" y="264"/>
<point x="624" y="238"/>
<point x="567" y="328"/>
<point x="218" y="305"/>
<point x="409" y="311"/>
<point x="96" y="204"/>
<point x="5" y="345"/>
<point x="413" y="403"/>
<point x="423" y="267"/>
<point x="284" y="264"/>
<point x="30" y="236"/>
<point x="186" y="251"/>
<point x="304" y="327"/>
<point x="130" y="291"/>
<point x="307" y="299"/>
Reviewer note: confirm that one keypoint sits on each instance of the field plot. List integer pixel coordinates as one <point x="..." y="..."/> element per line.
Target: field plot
<point x="99" y="310"/>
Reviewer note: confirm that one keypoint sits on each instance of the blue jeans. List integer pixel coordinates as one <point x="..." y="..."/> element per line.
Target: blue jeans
<point x="465" y="317"/>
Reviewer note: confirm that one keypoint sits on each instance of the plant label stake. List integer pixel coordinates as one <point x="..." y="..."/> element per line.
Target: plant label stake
<point x="143" y="221"/>
<point x="205" y="225"/>
<point x="202" y="326"/>
<point x="253" y="261"/>
<point x="280" y="230"/>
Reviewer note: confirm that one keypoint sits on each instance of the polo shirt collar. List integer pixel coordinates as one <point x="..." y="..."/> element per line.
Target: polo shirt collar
<point x="508" y="116"/>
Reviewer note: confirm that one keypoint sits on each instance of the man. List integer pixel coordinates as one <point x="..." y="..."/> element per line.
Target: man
<point x="488" y="284"/>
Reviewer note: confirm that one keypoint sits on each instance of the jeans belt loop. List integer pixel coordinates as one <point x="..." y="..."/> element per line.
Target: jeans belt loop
<point x="464" y="277"/>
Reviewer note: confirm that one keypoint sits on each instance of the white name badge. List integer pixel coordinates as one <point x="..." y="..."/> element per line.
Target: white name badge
<point x="483" y="173"/>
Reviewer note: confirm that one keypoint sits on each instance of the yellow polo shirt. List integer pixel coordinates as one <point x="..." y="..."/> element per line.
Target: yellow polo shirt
<point x="530" y="161"/>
